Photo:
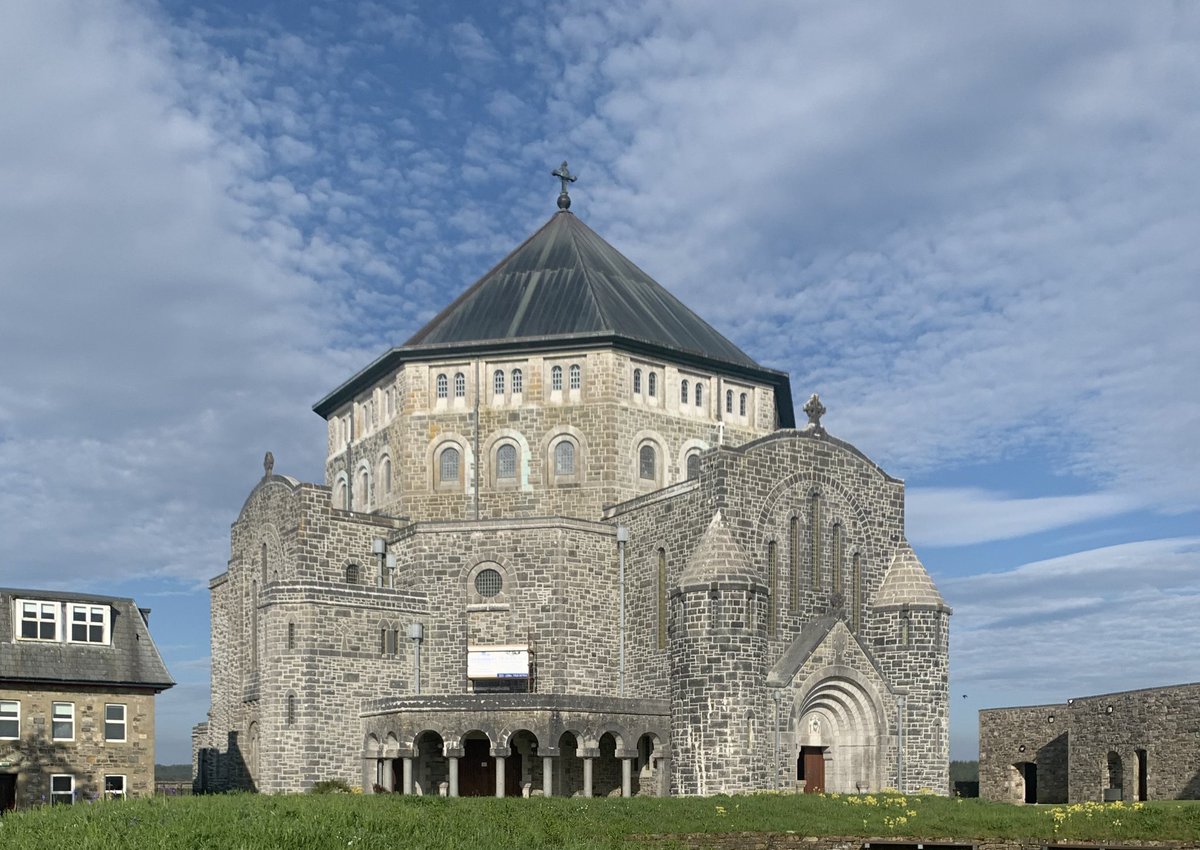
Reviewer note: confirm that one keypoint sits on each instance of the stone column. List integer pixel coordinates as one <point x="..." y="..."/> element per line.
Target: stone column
<point x="587" y="776"/>
<point x="500" y="775"/>
<point x="408" y="785"/>
<point x="388" y="779"/>
<point x="547" y="776"/>
<point x="663" y="772"/>
<point x="453" y="762"/>
<point x="370" y="775"/>
<point x="626" y="777"/>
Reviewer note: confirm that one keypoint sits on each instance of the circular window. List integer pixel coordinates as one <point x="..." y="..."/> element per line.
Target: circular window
<point x="488" y="583"/>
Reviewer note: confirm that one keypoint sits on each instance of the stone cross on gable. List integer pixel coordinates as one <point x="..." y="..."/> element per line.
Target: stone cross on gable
<point x="565" y="176"/>
<point x="815" y="411"/>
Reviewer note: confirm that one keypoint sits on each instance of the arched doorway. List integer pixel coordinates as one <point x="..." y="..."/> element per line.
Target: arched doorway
<point x="836" y="728"/>
<point x="569" y="781"/>
<point x="522" y="767"/>
<point x="606" y="773"/>
<point x="1116" y="776"/>
<point x="430" y="771"/>
<point x="477" y="768"/>
<point x="647" y="776"/>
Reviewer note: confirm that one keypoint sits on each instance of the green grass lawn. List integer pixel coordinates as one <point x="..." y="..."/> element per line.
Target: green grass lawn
<point x="321" y="822"/>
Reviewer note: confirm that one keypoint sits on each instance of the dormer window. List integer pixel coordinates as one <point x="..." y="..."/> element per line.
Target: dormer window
<point x="39" y="620"/>
<point x="89" y="623"/>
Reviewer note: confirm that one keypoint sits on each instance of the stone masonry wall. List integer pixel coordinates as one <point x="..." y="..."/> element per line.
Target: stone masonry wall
<point x="89" y="757"/>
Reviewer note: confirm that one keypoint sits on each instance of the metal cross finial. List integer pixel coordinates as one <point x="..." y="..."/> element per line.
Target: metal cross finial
<point x="565" y="176"/>
<point x="815" y="411"/>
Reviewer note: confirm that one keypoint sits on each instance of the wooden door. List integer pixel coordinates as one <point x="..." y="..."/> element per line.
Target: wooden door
<point x="814" y="769"/>
<point x="477" y="770"/>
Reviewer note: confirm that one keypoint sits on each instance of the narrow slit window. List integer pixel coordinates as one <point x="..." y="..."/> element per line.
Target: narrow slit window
<point x="652" y="385"/>
<point x="729" y="401"/>
<point x="794" y="541"/>
<point x="662" y="598"/>
<point x="837" y="558"/>
<point x="742" y="405"/>
<point x="814" y="509"/>
<point x="773" y="585"/>
<point x="637" y="381"/>
<point x="699" y="394"/>
<point x="684" y="389"/>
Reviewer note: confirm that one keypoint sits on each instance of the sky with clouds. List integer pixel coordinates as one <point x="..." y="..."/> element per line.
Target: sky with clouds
<point x="972" y="228"/>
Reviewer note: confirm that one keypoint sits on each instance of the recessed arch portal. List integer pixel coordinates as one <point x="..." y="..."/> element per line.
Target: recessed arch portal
<point x="838" y="719"/>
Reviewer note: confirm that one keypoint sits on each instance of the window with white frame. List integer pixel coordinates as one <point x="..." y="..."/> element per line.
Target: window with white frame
<point x="498" y="382"/>
<point x="89" y="623"/>
<point x="114" y="786"/>
<point x="742" y="405"/>
<point x="460" y="385"/>
<point x="114" y="722"/>
<point x="556" y="379"/>
<point x="729" y="401"/>
<point x="699" y="394"/>
<point x="647" y="463"/>
<point x="683" y="392"/>
<point x="62" y="789"/>
<point x="10" y="720"/>
<point x="62" y="721"/>
<point x="637" y="381"/>
<point x="652" y="384"/>
<point x="576" y="376"/>
<point x="443" y="386"/>
<point x="518" y="382"/>
<point x="564" y="458"/>
<point x="39" y="620"/>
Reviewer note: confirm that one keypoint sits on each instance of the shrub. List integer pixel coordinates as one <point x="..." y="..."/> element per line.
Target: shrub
<point x="330" y="786"/>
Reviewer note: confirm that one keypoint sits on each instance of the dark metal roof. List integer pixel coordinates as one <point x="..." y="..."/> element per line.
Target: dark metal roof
<point x="566" y="280"/>
<point x="130" y="659"/>
<point x="566" y="287"/>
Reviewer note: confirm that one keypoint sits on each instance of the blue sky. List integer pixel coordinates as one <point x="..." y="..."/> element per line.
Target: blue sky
<point x="972" y="228"/>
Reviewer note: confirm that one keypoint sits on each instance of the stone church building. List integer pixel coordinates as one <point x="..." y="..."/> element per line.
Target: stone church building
<point x="570" y="541"/>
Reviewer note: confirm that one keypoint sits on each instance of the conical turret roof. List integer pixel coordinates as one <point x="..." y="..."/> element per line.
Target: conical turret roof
<point x="907" y="584"/>
<point x="718" y="559"/>
<point x="566" y="281"/>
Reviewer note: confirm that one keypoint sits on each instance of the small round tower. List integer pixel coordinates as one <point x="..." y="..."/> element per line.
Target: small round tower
<point x="717" y="642"/>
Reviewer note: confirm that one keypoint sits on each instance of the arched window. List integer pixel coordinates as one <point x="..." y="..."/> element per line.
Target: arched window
<point x="772" y="585"/>
<point x="652" y="384"/>
<point x="576" y="376"/>
<point x="385" y="474"/>
<point x="742" y="405"/>
<point x="647" y="463"/>
<point x="498" y="382"/>
<point x="693" y="465"/>
<point x="460" y="385"/>
<point x="564" y="458"/>
<point x="291" y="638"/>
<point x="291" y="709"/>
<point x="443" y="387"/>
<point x="683" y="392"/>
<point x="699" y="394"/>
<point x="262" y="564"/>
<point x="662" y="598"/>
<point x="905" y="634"/>
<point x="856" y="583"/>
<point x="518" y="382"/>
<point x="837" y="558"/>
<point x="556" y="378"/>
<point x="340" y="496"/>
<point x="794" y="542"/>
<point x="364" y="488"/>
<point x="814" y="520"/>
<point x="637" y="381"/>
<point x="506" y="461"/>
<point x="353" y="574"/>
<point x="448" y="466"/>
<point x="729" y="401"/>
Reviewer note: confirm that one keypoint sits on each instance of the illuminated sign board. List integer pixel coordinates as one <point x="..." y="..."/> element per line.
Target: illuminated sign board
<point x="498" y="662"/>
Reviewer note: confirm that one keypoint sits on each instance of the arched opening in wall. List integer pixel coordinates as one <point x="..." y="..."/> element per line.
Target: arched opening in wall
<point x="477" y="767"/>
<point x="1116" y="773"/>
<point x="385" y="475"/>
<point x="522" y="767"/>
<point x="1141" y="775"/>
<point x="373" y="752"/>
<point x="606" y="768"/>
<point x="837" y="729"/>
<point x="648" y="464"/>
<point x="431" y="775"/>
<point x="353" y="574"/>
<point x="648" y="772"/>
<point x="506" y="465"/>
<point x="568" y="767"/>
<point x="693" y="465"/>
<point x="449" y="468"/>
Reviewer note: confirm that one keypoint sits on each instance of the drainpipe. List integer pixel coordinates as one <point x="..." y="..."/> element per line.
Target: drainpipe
<point x="416" y="633"/>
<point x="622" y="539"/>
<point x="475" y="472"/>
<point x="776" y="696"/>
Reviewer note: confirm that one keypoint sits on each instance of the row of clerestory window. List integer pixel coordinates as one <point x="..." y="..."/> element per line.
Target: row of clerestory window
<point x="563" y="457"/>
<point x="511" y="382"/>
<point x="689" y="392"/>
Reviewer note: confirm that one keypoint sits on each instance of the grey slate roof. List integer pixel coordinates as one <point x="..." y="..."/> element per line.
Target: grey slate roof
<point x="565" y="280"/>
<point x="131" y="659"/>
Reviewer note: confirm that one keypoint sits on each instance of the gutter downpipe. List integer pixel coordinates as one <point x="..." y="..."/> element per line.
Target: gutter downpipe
<point x="776" y="696"/>
<point x="622" y="539"/>
<point x="475" y="464"/>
